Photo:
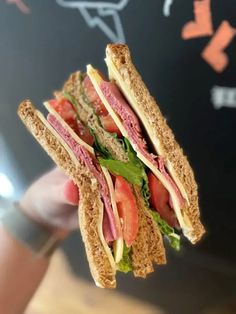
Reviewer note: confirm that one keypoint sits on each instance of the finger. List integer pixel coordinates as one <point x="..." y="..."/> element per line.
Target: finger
<point x="71" y="192"/>
<point x="73" y="222"/>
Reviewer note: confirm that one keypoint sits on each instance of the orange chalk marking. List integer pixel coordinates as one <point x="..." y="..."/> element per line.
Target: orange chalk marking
<point x="202" y="26"/>
<point x="21" y="5"/>
<point x="214" y="52"/>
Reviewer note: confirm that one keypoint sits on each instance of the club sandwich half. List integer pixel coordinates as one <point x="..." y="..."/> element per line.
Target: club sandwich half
<point x="136" y="185"/>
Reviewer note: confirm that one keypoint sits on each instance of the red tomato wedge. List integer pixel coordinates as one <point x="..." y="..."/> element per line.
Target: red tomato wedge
<point x="109" y="125"/>
<point x="160" y="200"/>
<point x="84" y="133"/>
<point x="66" y="110"/>
<point x="93" y="97"/>
<point x="127" y="209"/>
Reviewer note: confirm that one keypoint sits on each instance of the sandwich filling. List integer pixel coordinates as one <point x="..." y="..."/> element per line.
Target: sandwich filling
<point x="132" y="126"/>
<point x="73" y="157"/>
<point x="113" y="100"/>
<point x="59" y="119"/>
<point x="109" y="225"/>
<point x="126" y="169"/>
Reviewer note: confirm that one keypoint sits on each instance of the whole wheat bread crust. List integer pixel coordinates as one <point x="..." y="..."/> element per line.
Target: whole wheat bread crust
<point x="148" y="246"/>
<point x="120" y="56"/>
<point x="100" y="267"/>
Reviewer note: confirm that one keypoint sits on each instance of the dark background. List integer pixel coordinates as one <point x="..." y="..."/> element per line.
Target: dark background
<point x="37" y="53"/>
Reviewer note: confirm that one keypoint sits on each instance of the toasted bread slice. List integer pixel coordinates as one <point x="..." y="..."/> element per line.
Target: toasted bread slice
<point x="90" y="208"/>
<point x="124" y="73"/>
<point x="74" y="87"/>
<point x="148" y="247"/>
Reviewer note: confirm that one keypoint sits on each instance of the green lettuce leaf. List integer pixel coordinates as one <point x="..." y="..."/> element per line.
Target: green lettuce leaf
<point x="166" y="230"/>
<point x="145" y="190"/>
<point x="71" y="100"/>
<point x="128" y="170"/>
<point x="133" y="170"/>
<point x="125" y="265"/>
<point x="99" y="148"/>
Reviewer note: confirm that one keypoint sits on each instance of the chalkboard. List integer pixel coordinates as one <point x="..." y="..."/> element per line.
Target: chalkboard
<point x="185" y="51"/>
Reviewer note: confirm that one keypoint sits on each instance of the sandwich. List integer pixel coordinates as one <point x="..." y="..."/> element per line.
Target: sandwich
<point x="136" y="185"/>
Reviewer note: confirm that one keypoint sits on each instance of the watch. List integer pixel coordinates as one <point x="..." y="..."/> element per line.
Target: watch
<point x="31" y="234"/>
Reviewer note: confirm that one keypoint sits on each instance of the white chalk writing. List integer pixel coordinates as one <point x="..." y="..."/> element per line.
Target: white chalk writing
<point x="166" y="7"/>
<point x="103" y="9"/>
<point x="223" y="97"/>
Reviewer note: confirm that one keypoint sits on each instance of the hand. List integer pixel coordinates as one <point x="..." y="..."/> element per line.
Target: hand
<point x="52" y="201"/>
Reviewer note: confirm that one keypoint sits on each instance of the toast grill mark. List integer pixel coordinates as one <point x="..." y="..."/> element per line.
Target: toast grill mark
<point x="202" y="26"/>
<point x="103" y="10"/>
<point x="223" y="97"/>
<point x="214" y="53"/>
<point x="20" y="5"/>
<point x="166" y="7"/>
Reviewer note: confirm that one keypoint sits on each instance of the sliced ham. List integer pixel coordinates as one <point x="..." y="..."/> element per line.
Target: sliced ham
<point x="129" y="119"/>
<point x="132" y="127"/>
<point x="171" y="182"/>
<point x="109" y="224"/>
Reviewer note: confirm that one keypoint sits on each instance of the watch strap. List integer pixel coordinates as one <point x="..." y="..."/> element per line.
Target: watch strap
<point x="29" y="233"/>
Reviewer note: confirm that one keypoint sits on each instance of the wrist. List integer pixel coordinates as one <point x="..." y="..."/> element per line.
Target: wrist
<point x="30" y="233"/>
<point x="28" y="210"/>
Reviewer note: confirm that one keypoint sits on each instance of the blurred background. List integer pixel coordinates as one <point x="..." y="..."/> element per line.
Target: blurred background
<point x="185" y="51"/>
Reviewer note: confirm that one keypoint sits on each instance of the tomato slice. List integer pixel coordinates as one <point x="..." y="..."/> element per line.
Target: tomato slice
<point x="109" y="125"/>
<point x="84" y="133"/>
<point x="66" y="110"/>
<point x="160" y="200"/>
<point x="127" y="209"/>
<point x="93" y="97"/>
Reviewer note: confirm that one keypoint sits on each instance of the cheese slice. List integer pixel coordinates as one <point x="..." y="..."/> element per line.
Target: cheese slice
<point x="97" y="80"/>
<point x="115" y="75"/>
<point x="118" y="245"/>
<point x="184" y="222"/>
<point x="68" y="129"/>
<point x="73" y="157"/>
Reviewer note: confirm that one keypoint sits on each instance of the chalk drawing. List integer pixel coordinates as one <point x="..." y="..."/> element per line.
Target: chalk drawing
<point x="166" y="7"/>
<point x="214" y="53"/>
<point x="103" y="9"/>
<point x="202" y="24"/>
<point x="20" y="5"/>
<point x="223" y="97"/>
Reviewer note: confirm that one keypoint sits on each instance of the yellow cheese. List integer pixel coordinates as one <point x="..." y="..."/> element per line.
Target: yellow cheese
<point x="96" y="80"/>
<point x="183" y="220"/>
<point x="58" y="137"/>
<point x="68" y="129"/>
<point x="176" y="180"/>
<point x="101" y="210"/>
<point x="115" y="75"/>
<point x="118" y="245"/>
<point x="101" y="236"/>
